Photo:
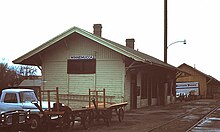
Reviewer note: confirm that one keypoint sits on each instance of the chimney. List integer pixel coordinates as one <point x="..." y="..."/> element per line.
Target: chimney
<point x="97" y="30"/>
<point x="130" y="43"/>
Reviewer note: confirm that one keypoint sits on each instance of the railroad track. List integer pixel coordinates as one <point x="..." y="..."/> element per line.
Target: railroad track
<point x="196" y="125"/>
<point x="184" y="121"/>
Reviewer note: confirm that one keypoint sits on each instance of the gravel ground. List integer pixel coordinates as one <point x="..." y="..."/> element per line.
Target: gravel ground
<point x="144" y="119"/>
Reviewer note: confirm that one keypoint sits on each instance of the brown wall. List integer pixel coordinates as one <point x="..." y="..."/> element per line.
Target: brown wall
<point x="200" y="79"/>
<point x="195" y="76"/>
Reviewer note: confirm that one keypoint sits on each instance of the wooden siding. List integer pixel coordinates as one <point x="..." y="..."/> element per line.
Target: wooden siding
<point x="80" y="84"/>
<point x="110" y="75"/>
<point x="127" y="90"/>
<point x="79" y="45"/>
<point x="110" y="68"/>
<point x="190" y="70"/>
<point x="55" y="76"/>
<point x="194" y="77"/>
<point x="56" y="53"/>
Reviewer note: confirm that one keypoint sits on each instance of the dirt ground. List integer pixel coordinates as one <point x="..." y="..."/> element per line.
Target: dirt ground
<point x="144" y="119"/>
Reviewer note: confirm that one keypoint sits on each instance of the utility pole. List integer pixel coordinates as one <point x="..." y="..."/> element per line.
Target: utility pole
<point x="165" y="31"/>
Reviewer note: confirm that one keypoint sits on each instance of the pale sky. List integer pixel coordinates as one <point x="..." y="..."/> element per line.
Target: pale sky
<point x="26" y="24"/>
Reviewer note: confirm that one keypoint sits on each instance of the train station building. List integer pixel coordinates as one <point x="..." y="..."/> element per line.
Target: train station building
<point x="77" y="60"/>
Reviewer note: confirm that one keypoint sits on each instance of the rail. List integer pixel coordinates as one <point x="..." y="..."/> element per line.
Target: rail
<point x="203" y="118"/>
<point x="178" y="119"/>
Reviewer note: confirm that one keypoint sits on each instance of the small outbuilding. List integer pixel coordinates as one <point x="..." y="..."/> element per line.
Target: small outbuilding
<point x="209" y="87"/>
<point x="31" y="83"/>
<point x="77" y="60"/>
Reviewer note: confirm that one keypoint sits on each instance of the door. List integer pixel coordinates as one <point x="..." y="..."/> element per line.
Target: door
<point x="133" y="91"/>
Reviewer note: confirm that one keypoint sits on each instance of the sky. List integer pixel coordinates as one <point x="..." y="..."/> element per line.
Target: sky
<point x="26" y="24"/>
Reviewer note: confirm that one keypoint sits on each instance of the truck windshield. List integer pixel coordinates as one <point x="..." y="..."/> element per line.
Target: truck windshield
<point x="28" y="96"/>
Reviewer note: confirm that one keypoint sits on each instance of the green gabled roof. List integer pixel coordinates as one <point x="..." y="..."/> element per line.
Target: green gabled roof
<point x="126" y="51"/>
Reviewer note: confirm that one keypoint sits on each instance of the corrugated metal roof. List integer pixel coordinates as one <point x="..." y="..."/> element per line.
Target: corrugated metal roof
<point x="28" y="83"/>
<point x="126" y="51"/>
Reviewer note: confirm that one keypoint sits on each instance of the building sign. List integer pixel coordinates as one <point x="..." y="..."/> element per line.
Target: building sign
<point x="187" y="87"/>
<point x="82" y="57"/>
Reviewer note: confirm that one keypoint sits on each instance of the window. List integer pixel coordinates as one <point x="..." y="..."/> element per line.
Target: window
<point x="81" y="66"/>
<point x="27" y="97"/>
<point x="10" y="98"/>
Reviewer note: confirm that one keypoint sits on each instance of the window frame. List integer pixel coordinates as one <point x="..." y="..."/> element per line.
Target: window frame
<point x="84" y="66"/>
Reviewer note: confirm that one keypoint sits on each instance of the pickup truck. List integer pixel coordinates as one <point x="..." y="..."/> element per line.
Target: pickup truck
<point x="23" y="98"/>
<point x="13" y="118"/>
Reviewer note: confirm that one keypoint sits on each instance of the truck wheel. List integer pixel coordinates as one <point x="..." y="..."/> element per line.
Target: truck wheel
<point x="34" y="123"/>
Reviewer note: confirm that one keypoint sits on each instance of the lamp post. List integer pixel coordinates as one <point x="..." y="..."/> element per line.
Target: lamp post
<point x="165" y="31"/>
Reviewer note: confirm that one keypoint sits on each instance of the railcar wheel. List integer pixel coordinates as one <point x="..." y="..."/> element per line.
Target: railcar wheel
<point x="121" y="114"/>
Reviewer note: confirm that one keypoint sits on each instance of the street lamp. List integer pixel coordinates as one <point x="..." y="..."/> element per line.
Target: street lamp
<point x="165" y="53"/>
<point x="166" y="31"/>
<point x="184" y="42"/>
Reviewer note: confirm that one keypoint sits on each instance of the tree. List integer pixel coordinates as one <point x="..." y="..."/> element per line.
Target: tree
<point x="26" y="70"/>
<point x="3" y="72"/>
<point x="14" y="75"/>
